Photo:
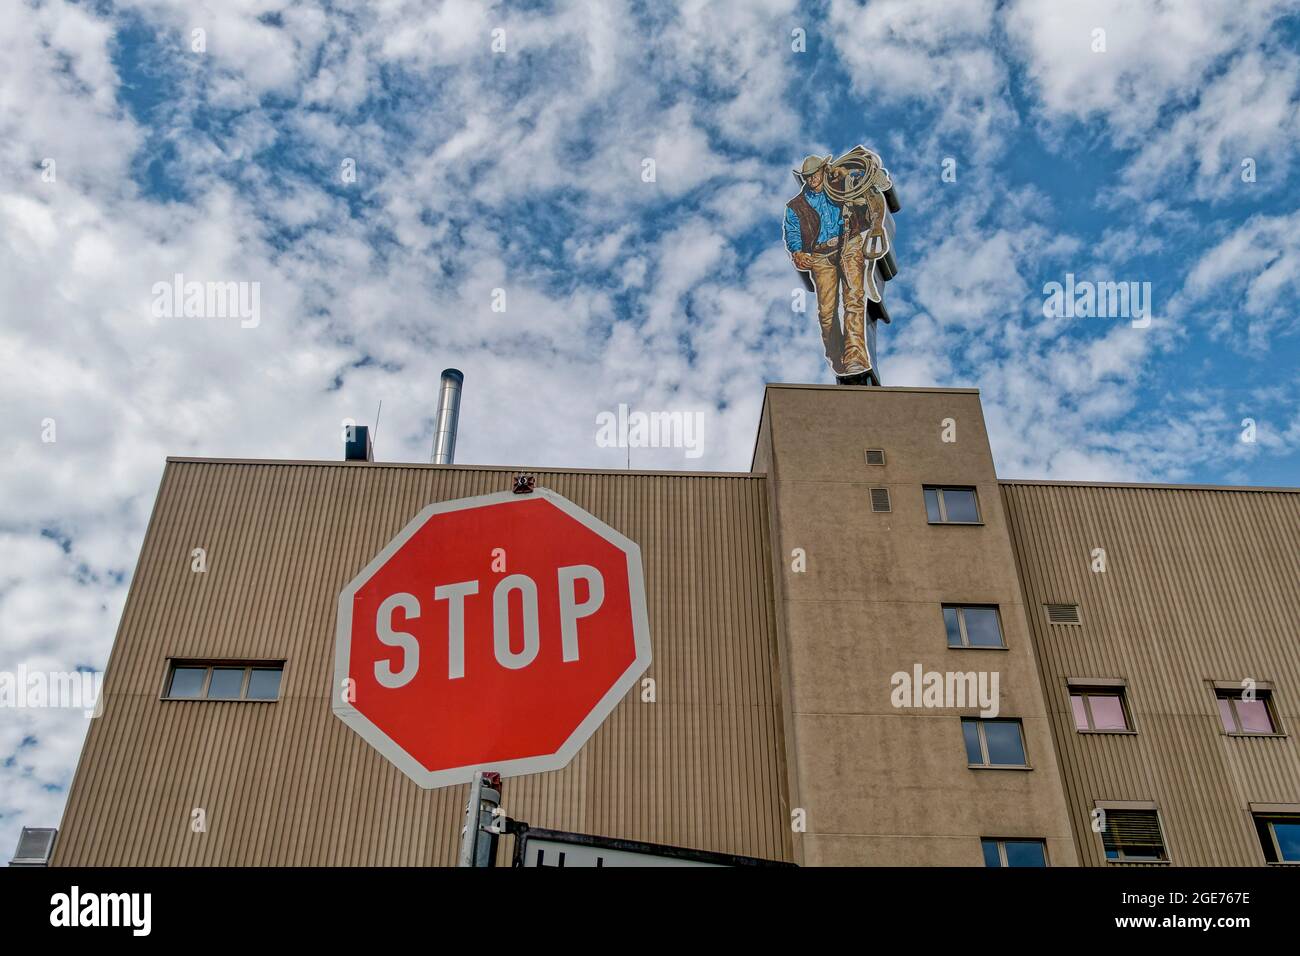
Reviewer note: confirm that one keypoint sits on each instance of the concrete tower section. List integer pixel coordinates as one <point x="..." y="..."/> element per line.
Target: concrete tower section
<point x="860" y="596"/>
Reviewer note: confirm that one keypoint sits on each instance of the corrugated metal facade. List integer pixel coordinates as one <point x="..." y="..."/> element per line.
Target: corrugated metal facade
<point x="288" y="784"/>
<point x="1200" y="585"/>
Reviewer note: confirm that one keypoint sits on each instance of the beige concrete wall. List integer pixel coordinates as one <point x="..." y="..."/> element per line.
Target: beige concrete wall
<point x="881" y="785"/>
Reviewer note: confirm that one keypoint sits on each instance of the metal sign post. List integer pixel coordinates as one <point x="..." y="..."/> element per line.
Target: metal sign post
<point x="478" y="840"/>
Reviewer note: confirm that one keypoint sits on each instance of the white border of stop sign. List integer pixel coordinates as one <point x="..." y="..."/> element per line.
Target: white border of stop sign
<point x="394" y="753"/>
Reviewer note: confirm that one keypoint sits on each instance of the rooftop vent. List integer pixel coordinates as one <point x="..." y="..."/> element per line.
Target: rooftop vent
<point x="357" y="445"/>
<point x="35" y="844"/>
<point x="880" y="499"/>
<point x="875" y="456"/>
<point x="1062" y="613"/>
<point x="448" y="419"/>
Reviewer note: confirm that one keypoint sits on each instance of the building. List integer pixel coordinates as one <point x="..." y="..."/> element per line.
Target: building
<point x="827" y="631"/>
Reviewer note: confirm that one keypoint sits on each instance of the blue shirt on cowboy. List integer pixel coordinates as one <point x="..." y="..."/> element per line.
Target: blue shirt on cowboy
<point x="832" y="221"/>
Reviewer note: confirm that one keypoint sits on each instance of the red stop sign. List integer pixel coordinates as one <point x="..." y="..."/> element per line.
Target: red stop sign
<point x="493" y="633"/>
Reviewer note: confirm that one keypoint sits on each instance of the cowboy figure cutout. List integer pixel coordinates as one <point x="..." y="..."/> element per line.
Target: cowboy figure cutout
<point x="839" y="232"/>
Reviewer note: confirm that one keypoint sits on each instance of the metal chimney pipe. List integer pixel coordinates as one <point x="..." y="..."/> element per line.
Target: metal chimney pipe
<point x="444" y="435"/>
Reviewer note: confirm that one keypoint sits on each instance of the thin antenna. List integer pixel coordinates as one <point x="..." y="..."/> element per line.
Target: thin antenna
<point x="374" y="436"/>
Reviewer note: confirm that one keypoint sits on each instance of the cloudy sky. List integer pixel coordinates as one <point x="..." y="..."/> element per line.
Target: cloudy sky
<point x="501" y="146"/>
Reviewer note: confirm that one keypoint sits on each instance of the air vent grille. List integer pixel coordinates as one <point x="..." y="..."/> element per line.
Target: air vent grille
<point x="875" y="456"/>
<point x="1062" y="613"/>
<point x="880" y="499"/>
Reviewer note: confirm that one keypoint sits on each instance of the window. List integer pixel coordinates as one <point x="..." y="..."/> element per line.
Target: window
<point x="187" y="681"/>
<point x="226" y="683"/>
<point x="263" y="683"/>
<point x="253" y="680"/>
<point x="1099" y="709"/>
<point x="993" y="743"/>
<point x="951" y="506"/>
<point x="972" y="626"/>
<point x="1132" y="835"/>
<point x="875" y="456"/>
<point x="1014" y="852"/>
<point x="1242" y="716"/>
<point x="1279" y="836"/>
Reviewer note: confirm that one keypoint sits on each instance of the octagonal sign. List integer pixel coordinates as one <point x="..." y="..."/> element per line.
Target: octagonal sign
<point x="493" y="633"/>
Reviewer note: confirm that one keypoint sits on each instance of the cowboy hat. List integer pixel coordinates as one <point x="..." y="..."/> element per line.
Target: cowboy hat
<point x="811" y="165"/>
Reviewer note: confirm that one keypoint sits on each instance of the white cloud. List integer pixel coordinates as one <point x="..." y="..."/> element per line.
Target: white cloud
<point x="1248" y="115"/>
<point x="1155" y="53"/>
<point x="1253" y="274"/>
<point x="1194" y="87"/>
<point x="936" y="52"/>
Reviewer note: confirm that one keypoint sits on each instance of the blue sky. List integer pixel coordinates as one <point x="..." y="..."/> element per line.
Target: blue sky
<point x="519" y="169"/>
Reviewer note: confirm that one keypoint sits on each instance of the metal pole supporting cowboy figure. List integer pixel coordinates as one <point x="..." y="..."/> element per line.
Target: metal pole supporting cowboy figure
<point x="839" y="232"/>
